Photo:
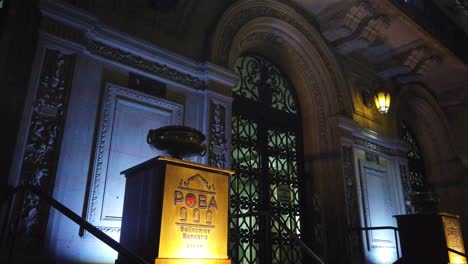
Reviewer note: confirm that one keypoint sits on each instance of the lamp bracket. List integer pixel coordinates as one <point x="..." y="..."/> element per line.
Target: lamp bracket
<point x="368" y="97"/>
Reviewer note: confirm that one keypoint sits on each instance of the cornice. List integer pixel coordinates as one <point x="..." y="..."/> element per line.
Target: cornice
<point x="220" y="75"/>
<point x="111" y="45"/>
<point x="371" y="139"/>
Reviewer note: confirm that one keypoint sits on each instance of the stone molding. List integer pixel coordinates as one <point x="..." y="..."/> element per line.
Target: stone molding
<point x="280" y="41"/>
<point x="371" y="140"/>
<point x="412" y="65"/>
<point x="100" y="49"/>
<point x="220" y="89"/>
<point x="44" y="136"/>
<point x="99" y="177"/>
<point x="76" y="26"/>
<point x="277" y="32"/>
<point x="358" y="26"/>
<point x="244" y="12"/>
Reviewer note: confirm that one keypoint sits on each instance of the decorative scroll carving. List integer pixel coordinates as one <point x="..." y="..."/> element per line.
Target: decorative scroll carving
<point x="43" y="143"/>
<point x="245" y="11"/>
<point x="420" y="59"/>
<point x="352" y="209"/>
<point x="362" y="22"/>
<point x="413" y="64"/>
<point x="376" y="147"/>
<point x="372" y="157"/>
<point x="217" y="145"/>
<point x="124" y="57"/>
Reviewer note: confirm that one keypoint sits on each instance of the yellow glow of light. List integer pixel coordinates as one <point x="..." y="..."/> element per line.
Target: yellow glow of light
<point x="192" y="261"/>
<point x="454" y="238"/>
<point x="456" y="259"/>
<point x="382" y="101"/>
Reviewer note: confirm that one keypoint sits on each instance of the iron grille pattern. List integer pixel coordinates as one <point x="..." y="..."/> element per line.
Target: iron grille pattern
<point x="415" y="161"/>
<point x="265" y="140"/>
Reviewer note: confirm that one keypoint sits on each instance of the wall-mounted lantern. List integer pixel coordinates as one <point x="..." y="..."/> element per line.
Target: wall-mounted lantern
<point x="379" y="95"/>
<point x="382" y="101"/>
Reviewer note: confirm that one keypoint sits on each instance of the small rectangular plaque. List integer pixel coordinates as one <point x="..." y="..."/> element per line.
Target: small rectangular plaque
<point x="283" y="192"/>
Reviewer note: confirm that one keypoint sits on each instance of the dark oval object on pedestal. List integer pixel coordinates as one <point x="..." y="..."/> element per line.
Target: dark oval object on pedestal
<point x="178" y="141"/>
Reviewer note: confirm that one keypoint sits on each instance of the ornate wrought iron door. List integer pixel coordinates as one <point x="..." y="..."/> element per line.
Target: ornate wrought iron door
<point x="265" y="155"/>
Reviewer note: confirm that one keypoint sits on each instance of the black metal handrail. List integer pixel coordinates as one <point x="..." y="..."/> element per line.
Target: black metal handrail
<point x="366" y="229"/>
<point x="296" y="238"/>
<point x="72" y="216"/>
<point x="432" y="19"/>
<point x="456" y="252"/>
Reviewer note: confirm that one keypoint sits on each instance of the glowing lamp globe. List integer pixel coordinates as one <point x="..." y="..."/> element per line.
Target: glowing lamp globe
<point x="382" y="101"/>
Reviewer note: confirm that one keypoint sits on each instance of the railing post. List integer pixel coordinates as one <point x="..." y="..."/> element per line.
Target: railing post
<point x="396" y="244"/>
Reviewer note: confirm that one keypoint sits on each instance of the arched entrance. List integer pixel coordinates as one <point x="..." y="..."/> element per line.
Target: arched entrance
<point x="267" y="157"/>
<point x="279" y="33"/>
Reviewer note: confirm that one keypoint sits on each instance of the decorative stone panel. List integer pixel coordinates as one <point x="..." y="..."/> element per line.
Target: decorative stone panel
<point x="126" y="117"/>
<point x="352" y="208"/>
<point x="101" y="49"/>
<point x="44" y="137"/>
<point x="217" y="147"/>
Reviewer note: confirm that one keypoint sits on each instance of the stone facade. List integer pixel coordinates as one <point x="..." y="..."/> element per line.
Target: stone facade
<point x="89" y="56"/>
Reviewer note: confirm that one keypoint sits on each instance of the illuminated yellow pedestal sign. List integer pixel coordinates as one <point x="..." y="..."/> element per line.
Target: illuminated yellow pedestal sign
<point x="454" y="238"/>
<point x="194" y="216"/>
<point x="431" y="238"/>
<point x="176" y="211"/>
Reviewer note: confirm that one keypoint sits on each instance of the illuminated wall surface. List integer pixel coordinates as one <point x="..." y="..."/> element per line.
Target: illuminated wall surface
<point x="194" y="216"/>
<point x="454" y="238"/>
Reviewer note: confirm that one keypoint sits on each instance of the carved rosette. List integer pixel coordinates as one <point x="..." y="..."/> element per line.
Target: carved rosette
<point x="44" y="136"/>
<point x="217" y="145"/>
<point x="352" y="210"/>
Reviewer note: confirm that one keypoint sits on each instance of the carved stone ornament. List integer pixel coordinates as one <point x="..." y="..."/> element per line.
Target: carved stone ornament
<point x="352" y="209"/>
<point x="45" y="130"/>
<point x="243" y="12"/>
<point x="217" y="145"/>
<point x="370" y="145"/>
<point x="100" y="49"/>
